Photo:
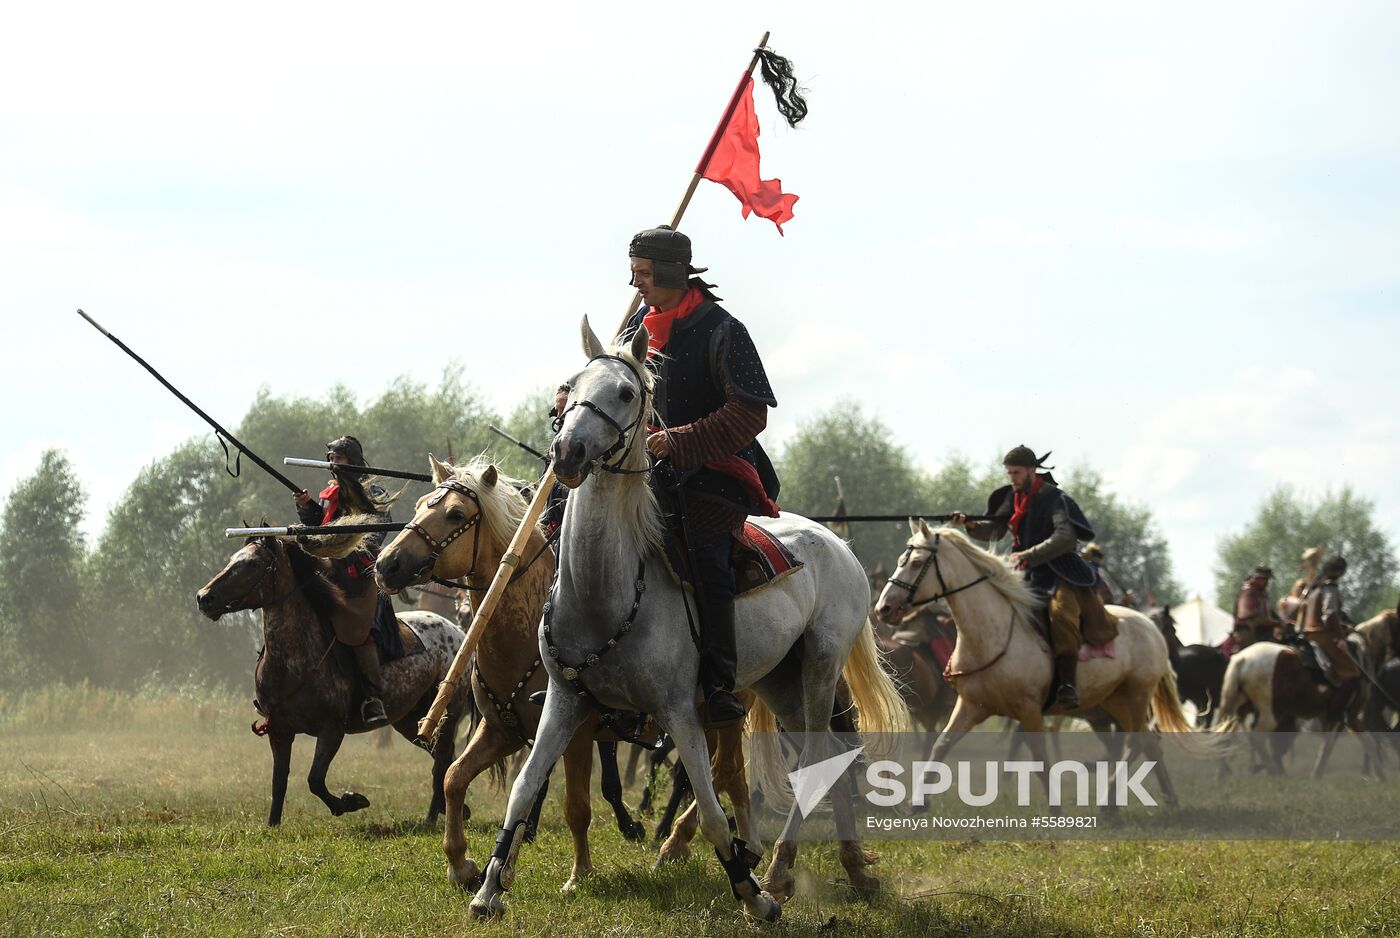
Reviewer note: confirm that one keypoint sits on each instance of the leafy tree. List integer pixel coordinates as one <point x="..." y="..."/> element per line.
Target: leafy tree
<point x="876" y="473"/>
<point x="529" y="422"/>
<point x="1288" y="523"/>
<point x="43" y="635"/>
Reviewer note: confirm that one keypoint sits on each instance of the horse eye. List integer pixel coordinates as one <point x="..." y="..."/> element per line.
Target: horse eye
<point x="627" y="394"/>
<point x="916" y="563"/>
<point x="455" y="514"/>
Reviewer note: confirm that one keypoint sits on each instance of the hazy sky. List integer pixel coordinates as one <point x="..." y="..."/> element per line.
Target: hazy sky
<point x="1162" y="241"/>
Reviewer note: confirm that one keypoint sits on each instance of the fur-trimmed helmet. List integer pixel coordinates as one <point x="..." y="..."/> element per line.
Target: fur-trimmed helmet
<point x="350" y="448"/>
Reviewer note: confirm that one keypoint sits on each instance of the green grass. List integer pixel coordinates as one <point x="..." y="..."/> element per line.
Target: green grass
<point x="134" y="828"/>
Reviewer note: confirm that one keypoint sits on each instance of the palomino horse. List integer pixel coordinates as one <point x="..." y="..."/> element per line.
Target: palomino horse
<point x="616" y="633"/>
<point x="299" y="686"/>
<point x="1001" y="664"/>
<point x="461" y="529"/>
<point x="1272" y="679"/>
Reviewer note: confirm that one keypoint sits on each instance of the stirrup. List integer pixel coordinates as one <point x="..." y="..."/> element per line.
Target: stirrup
<point x="372" y="713"/>
<point x="723" y="709"/>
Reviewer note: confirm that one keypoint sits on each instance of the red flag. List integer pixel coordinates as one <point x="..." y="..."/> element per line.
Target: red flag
<point x="734" y="165"/>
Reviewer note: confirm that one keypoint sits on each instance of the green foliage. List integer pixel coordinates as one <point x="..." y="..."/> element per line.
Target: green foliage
<point x="1136" y="553"/>
<point x="1288" y="523"/>
<point x="529" y="422"/>
<point x="42" y="632"/>
<point x="876" y="473"/>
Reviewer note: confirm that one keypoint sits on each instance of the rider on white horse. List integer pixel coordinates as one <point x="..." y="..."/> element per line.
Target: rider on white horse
<point x="1047" y="525"/>
<point x="712" y="399"/>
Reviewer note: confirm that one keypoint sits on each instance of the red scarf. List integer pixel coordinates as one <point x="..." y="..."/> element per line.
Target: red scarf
<point x="659" y="322"/>
<point x="331" y="496"/>
<point x="1020" y="504"/>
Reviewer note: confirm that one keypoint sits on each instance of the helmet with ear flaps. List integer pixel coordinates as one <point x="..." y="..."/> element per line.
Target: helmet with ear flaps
<point x="669" y="253"/>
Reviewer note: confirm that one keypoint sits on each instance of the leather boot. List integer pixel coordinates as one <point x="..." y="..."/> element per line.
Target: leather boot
<point x="717" y="663"/>
<point x="372" y="710"/>
<point x="1066" y="696"/>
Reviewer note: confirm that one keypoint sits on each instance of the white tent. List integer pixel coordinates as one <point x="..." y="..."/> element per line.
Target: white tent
<point x="1200" y="623"/>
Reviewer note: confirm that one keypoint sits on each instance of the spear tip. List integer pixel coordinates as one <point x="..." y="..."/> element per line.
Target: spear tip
<point x="93" y="322"/>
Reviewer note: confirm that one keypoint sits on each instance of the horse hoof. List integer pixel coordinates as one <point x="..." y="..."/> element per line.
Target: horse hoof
<point x="866" y="886"/>
<point x="484" y="911"/>
<point x="353" y="801"/>
<point x="673" y="853"/>
<point x="467" y="876"/>
<point x="763" y="908"/>
<point x="779" y="888"/>
<point x="636" y="833"/>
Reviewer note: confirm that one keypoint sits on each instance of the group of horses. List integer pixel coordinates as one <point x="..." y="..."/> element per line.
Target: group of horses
<point x="600" y="626"/>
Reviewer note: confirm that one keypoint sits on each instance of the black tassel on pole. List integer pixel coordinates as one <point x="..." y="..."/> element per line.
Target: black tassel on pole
<point x="777" y="74"/>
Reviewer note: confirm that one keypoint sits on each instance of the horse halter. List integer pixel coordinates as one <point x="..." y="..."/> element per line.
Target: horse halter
<point x="435" y="546"/>
<point x="623" y="433"/>
<point x="255" y="590"/>
<point x="913" y="588"/>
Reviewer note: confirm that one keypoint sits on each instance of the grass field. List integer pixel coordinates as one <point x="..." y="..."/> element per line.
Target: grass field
<point x="124" y="820"/>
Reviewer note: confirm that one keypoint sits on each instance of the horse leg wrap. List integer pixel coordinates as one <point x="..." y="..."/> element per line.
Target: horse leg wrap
<point x="508" y="843"/>
<point x="739" y="869"/>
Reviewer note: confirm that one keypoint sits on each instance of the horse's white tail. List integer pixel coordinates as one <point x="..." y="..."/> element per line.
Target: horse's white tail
<point x="1232" y="696"/>
<point x="1166" y="706"/>
<point x="879" y="709"/>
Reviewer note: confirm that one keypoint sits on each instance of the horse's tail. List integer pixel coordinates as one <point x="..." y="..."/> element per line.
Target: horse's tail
<point x="766" y="767"/>
<point x="1166" y="706"/>
<point x="879" y="706"/>
<point x="1232" y="696"/>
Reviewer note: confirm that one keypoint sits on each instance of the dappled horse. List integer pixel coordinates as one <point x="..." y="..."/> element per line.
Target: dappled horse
<point x="1002" y="665"/>
<point x="300" y="685"/>
<point x="616" y="635"/>
<point x="460" y="530"/>
<point x="1274" y="682"/>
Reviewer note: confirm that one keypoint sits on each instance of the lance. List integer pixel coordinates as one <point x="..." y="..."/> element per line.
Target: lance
<point x="520" y="443"/>
<point x="307" y="530"/>
<point x="356" y="470"/>
<point x="704" y="163"/>
<point x="825" y="519"/>
<point x="220" y="433"/>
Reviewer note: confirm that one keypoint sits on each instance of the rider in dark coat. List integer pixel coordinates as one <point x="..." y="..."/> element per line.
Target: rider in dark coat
<point x="1047" y="525"/>
<point x="712" y="400"/>
<point x="358" y="636"/>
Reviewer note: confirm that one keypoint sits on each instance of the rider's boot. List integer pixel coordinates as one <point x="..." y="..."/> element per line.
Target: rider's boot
<point x="718" y="661"/>
<point x="372" y="710"/>
<point x="1066" y="695"/>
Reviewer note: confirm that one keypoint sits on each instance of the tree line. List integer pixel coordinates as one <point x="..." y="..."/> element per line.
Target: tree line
<point x="120" y="612"/>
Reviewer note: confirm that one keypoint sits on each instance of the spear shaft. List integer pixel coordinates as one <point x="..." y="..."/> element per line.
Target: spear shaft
<point x="219" y="431"/>
<point x="356" y="470"/>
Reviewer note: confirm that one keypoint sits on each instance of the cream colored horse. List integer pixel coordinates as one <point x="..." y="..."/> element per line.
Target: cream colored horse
<point x="1001" y="665"/>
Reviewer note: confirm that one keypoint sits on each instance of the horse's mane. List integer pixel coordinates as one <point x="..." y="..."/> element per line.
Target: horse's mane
<point x="639" y="516"/>
<point x="502" y="504"/>
<point x="310" y="571"/>
<point x="1008" y="582"/>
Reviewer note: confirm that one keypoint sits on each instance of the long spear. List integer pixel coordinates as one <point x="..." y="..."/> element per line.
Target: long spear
<point x="704" y="163"/>
<point x="356" y="470"/>
<point x="429" y="724"/>
<point x="219" y="431"/>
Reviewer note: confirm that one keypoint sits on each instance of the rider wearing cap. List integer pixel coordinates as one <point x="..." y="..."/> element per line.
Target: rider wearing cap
<point x="1046" y="525"/>
<point x="712" y="400"/>
<point x="346" y="450"/>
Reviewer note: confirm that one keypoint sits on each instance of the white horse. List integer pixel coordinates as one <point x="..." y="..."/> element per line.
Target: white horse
<point x="615" y="633"/>
<point x="1001" y="665"/>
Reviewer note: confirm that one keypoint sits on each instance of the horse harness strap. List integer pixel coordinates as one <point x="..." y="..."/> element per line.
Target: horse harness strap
<point x="913" y="588"/>
<point x="951" y="676"/>
<point x="505" y="712"/>
<point x="572" y="673"/>
<point x="625" y="435"/>
<point x="435" y="546"/>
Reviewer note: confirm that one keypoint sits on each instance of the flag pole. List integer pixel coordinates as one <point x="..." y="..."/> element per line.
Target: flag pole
<point x="704" y="163"/>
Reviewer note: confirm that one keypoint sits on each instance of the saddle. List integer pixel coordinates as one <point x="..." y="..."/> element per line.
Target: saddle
<point x="1314" y="660"/>
<point x="758" y="559"/>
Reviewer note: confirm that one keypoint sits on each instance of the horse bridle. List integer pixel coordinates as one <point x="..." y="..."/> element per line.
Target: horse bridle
<point x="256" y="589"/>
<point x="623" y="442"/>
<point x="913" y="588"/>
<point x="436" y="546"/>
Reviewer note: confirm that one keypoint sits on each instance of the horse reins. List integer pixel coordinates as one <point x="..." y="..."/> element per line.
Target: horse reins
<point x="913" y="590"/>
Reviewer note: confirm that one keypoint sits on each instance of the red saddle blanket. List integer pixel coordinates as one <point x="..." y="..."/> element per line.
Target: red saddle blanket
<point x="758" y="559"/>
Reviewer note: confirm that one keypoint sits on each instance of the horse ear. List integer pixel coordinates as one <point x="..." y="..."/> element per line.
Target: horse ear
<point x="440" y="471"/>
<point x="913" y="528"/>
<point x="488" y="477"/>
<point x="592" y="347"/>
<point x="264" y="522"/>
<point x="639" y="344"/>
<point x="923" y="528"/>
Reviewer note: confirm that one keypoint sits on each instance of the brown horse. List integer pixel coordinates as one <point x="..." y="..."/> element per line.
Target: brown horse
<point x="461" y="529"/>
<point x="929" y="697"/>
<point x="300" y="686"/>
